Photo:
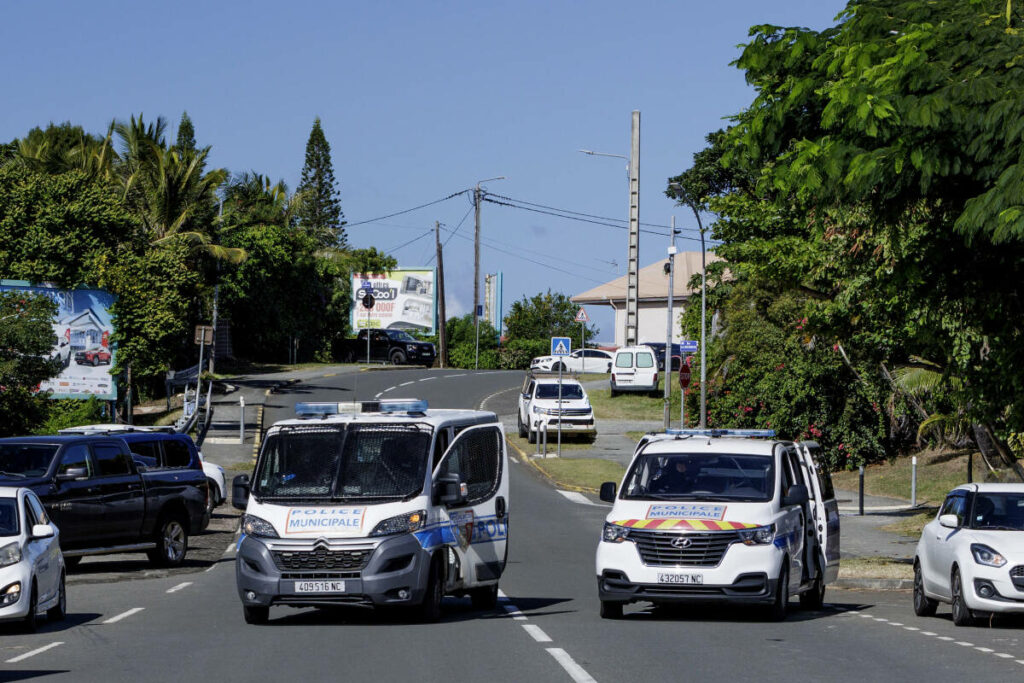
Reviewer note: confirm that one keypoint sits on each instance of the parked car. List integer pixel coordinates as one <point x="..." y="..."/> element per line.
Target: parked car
<point x="93" y="356"/>
<point x="31" y="564"/>
<point x="659" y="353"/>
<point x="634" y="369"/>
<point x="971" y="555"/>
<point x="580" y="360"/>
<point x="61" y="352"/>
<point x="539" y="407"/>
<point x="95" y="493"/>
<point x="391" y="346"/>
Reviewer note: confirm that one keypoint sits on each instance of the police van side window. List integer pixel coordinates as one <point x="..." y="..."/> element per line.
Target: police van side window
<point x="476" y="458"/>
<point x="441" y="442"/>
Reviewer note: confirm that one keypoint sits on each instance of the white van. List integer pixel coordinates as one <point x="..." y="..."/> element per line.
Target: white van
<point x="374" y="504"/>
<point x="634" y="368"/>
<point x="716" y="516"/>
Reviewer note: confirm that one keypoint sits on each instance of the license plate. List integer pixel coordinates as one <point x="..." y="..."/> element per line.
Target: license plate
<point x="319" y="586"/>
<point x="681" y="578"/>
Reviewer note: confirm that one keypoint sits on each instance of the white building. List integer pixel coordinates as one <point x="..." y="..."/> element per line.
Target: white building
<point x="652" y="297"/>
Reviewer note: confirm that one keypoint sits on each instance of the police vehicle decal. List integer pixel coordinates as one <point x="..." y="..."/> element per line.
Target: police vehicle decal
<point x="692" y="524"/>
<point x="686" y="511"/>
<point x="303" y="520"/>
<point x="485" y="530"/>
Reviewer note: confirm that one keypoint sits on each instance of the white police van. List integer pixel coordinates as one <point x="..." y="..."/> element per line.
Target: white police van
<point x="374" y="504"/>
<point x="719" y="516"/>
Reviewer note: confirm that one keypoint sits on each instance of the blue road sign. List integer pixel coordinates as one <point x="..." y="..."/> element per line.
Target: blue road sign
<point x="688" y="346"/>
<point x="561" y="346"/>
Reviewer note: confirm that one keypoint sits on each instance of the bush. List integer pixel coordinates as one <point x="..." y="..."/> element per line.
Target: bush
<point x="516" y="354"/>
<point x="464" y="356"/>
<point x="64" y="413"/>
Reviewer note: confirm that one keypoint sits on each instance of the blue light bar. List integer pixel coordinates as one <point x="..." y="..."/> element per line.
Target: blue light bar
<point x="318" y="408"/>
<point x="403" y="405"/>
<point x="722" y="432"/>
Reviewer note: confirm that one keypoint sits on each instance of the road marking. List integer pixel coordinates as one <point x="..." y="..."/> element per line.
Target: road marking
<point x="946" y="638"/>
<point x="33" y="653"/>
<point x="928" y="633"/>
<point x="984" y="649"/>
<point x="1003" y="655"/>
<point x="964" y="643"/>
<point x="537" y="633"/>
<point x="514" y="612"/>
<point x="462" y="375"/>
<point x="576" y="497"/>
<point x="123" y="615"/>
<point x="576" y="671"/>
<point x="405" y="384"/>
<point x="331" y="374"/>
<point x="514" y="459"/>
<point x="911" y="628"/>
<point x="378" y="394"/>
<point x="895" y="623"/>
<point x="427" y="379"/>
<point x="879" y="619"/>
<point x="179" y="587"/>
<point x="388" y="389"/>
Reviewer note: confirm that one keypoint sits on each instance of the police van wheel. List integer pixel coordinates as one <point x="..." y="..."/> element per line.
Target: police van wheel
<point x="611" y="610"/>
<point x="430" y="608"/>
<point x="484" y="598"/>
<point x="777" y="612"/>
<point x="255" y="614"/>
<point x="815" y="597"/>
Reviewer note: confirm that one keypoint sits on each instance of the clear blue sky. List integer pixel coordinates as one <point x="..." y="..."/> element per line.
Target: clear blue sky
<point x="418" y="100"/>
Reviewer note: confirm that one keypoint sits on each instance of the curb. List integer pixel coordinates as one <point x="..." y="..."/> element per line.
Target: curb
<point x="530" y="460"/>
<point x="874" y="584"/>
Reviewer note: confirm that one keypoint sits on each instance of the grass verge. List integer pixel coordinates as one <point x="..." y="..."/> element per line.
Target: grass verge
<point x="630" y="406"/>
<point x="937" y="473"/>
<point x="580" y="474"/>
<point x="874" y="568"/>
<point x="574" y="442"/>
<point x="911" y="526"/>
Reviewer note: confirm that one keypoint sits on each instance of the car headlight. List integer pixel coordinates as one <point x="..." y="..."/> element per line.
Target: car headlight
<point x="986" y="555"/>
<point x="759" y="535"/>
<point x="613" y="533"/>
<point x="537" y="410"/>
<point x="10" y="554"/>
<point x="258" y="527"/>
<point x="410" y="347"/>
<point x="401" y="524"/>
<point x="10" y="594"/>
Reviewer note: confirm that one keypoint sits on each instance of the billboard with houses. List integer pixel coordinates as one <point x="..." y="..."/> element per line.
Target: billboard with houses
<point x="404" y="298"/>
<point x="81" y="340"/>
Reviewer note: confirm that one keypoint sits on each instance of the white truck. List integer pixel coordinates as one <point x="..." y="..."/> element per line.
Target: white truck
<point x="544" y="402"/>
<point x="719" y="516"/>
<point x="374" y="504"/>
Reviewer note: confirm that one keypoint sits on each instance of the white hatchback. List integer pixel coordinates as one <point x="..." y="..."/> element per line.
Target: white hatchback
<point x="580" y="360"/>
<point x="972" y="554"/>
<point x="31" y="564"/>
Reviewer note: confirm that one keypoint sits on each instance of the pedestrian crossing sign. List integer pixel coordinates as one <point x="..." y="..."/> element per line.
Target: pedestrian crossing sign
<point x="561" y="346"/>
<point x="581" y="316"/>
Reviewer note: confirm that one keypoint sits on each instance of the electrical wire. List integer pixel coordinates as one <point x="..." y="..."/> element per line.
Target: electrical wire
<point x="589" y="215"/>
<point x="535" y="262"/>
<point x="399" y="213"/>
<point x="405" y="244"/>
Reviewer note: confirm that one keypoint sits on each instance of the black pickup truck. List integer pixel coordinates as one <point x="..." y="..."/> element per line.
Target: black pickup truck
<point x="101" y="501"/>
<point x="389" y="346"/>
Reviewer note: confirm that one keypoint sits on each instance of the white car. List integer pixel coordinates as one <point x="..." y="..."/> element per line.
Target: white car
<point x="972" y="554"/>
<point x="580" y="360"/>
<point x="31" y="564"/>
<point x="539" y="408"/>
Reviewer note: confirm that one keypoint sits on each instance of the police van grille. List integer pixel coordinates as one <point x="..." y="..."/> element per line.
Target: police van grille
<point x="320" y="560"/>
<point x="705" y="549"/>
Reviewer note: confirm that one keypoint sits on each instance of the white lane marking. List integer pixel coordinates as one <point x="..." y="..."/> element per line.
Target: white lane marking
<point x="179" y="587"/>
<point x="378" y="394"/>
<point x="426" y="379"/>
<point x="33" y="653"/>
<point x="462" y="375"/>
<point x="537" y="633"/>
<point x="928" y="633"/>
<point x="964" y="643"/>
<point x="501" y="595"/>
<point x="867" y="616"/>
<point x="577" y="672"/>
<point x="946" y="638"/>
<point x="911" y="628"/>
<point x="514" y="612"/>
<point x="405" y="384"/>
<point x="895" y="623"/>
<point x="388" y="389"/>
<point x="514" y="459"/>
<point x="577" y="497"/>
<point x="210" y="568"/>
<point x="879" y="619"/>
<point x="230" y="547"/>
<point x="1003" y="655"/>
<point x="123" y="615"/>
<point x="984" y="649"/>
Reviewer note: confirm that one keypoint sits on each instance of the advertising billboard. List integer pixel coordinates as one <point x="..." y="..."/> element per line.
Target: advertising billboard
<point x="81" y="340"/>
<point x="404" y="299"/>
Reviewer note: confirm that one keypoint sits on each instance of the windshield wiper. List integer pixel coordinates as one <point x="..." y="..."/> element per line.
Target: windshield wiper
<point x="999" y="527"/>
<point x="19" y="475"/>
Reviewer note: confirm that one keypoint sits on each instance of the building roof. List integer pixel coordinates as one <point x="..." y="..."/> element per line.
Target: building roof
<point x="653" y="282"/>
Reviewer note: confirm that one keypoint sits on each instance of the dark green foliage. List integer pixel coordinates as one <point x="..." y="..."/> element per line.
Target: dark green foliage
<point x="186" y="135"/>
<point x="64" y="413"/>
<point x="516" y="354"/>
<point x="26" y="339"/>
<point x="543" y="316"/>
<point x="462" y="349"/>
<point x="319" y="202"/>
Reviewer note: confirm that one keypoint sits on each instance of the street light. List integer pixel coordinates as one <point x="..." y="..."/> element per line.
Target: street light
<point x="476" y="266"/>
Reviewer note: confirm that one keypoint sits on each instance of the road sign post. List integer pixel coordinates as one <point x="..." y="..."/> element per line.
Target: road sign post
<point x="560" y="346"/>
<point x="368" y="302"/>
<point x="684" y="381"/>
<point x="582" y="318"/>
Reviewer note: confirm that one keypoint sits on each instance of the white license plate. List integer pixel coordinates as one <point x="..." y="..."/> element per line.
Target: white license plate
<point x="319" y="586"/>
<point x="681" y="578"/>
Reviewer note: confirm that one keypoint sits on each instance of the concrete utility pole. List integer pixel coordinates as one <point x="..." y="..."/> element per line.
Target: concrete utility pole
<point x="442" y="332"/>
<point x="476" y="261"/>
<point x="668" y="327"/>
<point x="633" y="278"/>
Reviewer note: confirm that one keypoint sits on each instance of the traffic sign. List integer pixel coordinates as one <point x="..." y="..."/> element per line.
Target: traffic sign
<point x="684" y="375"/>
<point x="581" y="316"/>
<point x="204" y="334"/>
<point x="689" y="346"/>
<point x="561" y="346"/>
<point x="368" y="301"/>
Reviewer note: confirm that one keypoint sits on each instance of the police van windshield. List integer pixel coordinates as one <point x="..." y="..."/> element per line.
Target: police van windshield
<point x="24" y="460"/>
<point x="569" y="391"/>
<point x="365" y="462"/>
<point x="685" y="476"/>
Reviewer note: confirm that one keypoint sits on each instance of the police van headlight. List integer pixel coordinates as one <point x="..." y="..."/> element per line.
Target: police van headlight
<point x="258" y="527"/>
<point x="613" y="533"/>
<point x="10" y="554"/>
<point x="759" y="535"/>
<point x="401" y="524"/>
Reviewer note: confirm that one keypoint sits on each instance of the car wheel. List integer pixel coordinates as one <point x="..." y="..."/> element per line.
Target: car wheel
<point x="531" y="436"/>
<point x="213" y="497"/>
<point x="30" y="621"/>
<point x="95" y="361"/>
<point x="923" y="605"/>
<point x="962" y="615"/>
<point x="60" y="610"/>
<point x="255" y="614"/>
<point x="611" y="610"/>
<point x="777" y="612"/>
<point x="485" y="598"/>
<point x="558" y="367"/>
<point x="430" y="608"/>
<point x="522" y="427"/>
<point x="814" y="598"/>
<point x="397" y="358"/>
<point x="171" y="543"/>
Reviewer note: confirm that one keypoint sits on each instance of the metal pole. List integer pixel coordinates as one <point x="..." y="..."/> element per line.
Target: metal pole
<point x="703" y="338"/>
<point x="199" y="373"/>
<point x="216" y="290"/>
<point x="544" y="427"/>
<point x="682" y="407"/>
<point x="860" y="505"/>
<point x="668" y="325"/>
<point x="633" y="277"/>
<point x="970" y="468"/>
<point x="367" y="335"/>
<point x="476" y="270"/>
<point x="442" y="333"/>
<point x="913" y="481"/>
<point x="476" y="361"/>
<point x="241" y="420"/>
<point x="560" y="364"/>
<point x="583" y="345"/>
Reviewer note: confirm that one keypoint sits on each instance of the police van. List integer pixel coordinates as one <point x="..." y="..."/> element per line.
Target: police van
<point x="719" y="516"/>
<point x="374" y="504"/>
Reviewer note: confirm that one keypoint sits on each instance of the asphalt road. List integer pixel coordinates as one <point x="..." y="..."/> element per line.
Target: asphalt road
<point x="190" y="627"/>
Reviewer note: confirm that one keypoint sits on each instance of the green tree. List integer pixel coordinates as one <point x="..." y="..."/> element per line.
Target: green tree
<point x="462" y="349"/>
<point x="319" y="201"/>
<point x="186" y="134"/>
<point x="543" y="316"/>
<point x="26" y="339"/>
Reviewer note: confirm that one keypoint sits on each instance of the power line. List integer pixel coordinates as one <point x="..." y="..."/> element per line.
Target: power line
<point x="405" y="244"/>
<point x="415" y="208"/>
<point x="535" y="262"/>
<point x="588" y="215"/>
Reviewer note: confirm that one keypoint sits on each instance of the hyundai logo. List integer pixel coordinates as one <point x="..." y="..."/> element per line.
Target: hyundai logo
<point x="681" y="542"/>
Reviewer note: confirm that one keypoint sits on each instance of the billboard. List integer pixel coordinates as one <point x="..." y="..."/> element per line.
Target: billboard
<point x="406" y="299"/>
<point x="81" y="340"/>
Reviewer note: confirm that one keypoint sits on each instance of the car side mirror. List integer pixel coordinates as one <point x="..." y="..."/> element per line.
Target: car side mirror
<point x="949" y="521"/>
<point x="42" y="531"/>
<point x="73" y="473"/>
<point x="449" y="490"/>
<point x="240" y="491"/>
<point x="608" y="492"/>
<point x="797" y="495"/>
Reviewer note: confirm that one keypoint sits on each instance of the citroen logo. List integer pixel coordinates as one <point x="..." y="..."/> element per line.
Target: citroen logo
<point x="681" y="542"/>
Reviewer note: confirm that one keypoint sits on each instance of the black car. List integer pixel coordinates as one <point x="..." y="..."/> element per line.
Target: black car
<point x="390" y="346"/>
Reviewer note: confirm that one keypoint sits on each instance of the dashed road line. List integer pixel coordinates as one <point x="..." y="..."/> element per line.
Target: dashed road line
<point x="33" y="653"/>
<point x="514" y="612"/>
<point x="123" y="615"/>
<point x="378" y="394"/>
<point x="577" y="672"/>
<point x="537" y="633"/>
<point x="964" y="643"/>
<point x="179" y="587"/>
<point x="405" y="384"/>
<point x="514" y="459"/>
<point x="426" y="379"/>
<point x="577" y="497"/>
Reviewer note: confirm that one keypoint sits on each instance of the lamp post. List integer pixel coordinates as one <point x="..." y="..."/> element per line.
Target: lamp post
<point x="668" y="327"/>
<point x="476" y="265"/>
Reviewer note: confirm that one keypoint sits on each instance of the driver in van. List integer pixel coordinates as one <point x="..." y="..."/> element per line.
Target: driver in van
<point x="678" y="476"/>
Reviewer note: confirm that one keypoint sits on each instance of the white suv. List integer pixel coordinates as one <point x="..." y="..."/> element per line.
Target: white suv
<point x="580" y="360"/>
<point x="539" y="406"/>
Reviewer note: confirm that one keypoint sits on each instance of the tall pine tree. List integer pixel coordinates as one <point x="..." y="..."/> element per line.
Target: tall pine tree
<point x="319" y="210"/>
<point x="186" y="134"/>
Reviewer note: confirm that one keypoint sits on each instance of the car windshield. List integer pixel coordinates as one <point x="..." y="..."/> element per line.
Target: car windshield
<point x="688" y="476"/>
<point x="998" y="511"/>
<point x="9" y="517"/>
<point x="569" y="391"/>
<point x="23" y="460"/>
<point x="400" y="335"/>
<point x="335" y="462"/>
